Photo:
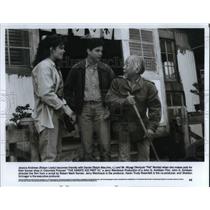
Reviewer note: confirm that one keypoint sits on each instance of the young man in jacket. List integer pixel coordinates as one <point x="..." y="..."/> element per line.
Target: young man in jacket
<point x="85" y="90"/>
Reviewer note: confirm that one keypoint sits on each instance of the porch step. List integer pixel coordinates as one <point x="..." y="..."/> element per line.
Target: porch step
<point x="115" y="155"/>
<point x="72" y="150"/>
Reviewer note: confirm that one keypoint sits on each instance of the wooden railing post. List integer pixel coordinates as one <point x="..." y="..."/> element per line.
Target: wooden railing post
<point x="185" y="127"/>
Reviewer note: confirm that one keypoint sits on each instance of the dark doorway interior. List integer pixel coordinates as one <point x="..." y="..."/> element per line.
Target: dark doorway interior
<point x="112" y="55"/>
<point x="75" y="48"/>
<point x="76" y="51"/>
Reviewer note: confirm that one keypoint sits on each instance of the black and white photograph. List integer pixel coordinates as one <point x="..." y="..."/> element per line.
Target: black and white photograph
<point x="89" y="95"/>
<point x="104" y="104"/>
<point x="105" y="94"/>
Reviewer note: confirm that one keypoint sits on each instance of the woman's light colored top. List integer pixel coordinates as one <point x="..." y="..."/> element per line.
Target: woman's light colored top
<point x="47" y="83"/>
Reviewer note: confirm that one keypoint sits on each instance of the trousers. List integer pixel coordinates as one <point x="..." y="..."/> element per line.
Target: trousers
<point x="50" y="141"/>
<point x="129" y="137"/>
<point x="95" y="118"/>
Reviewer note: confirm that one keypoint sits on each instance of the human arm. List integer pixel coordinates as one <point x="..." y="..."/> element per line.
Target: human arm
<point x="154" y="107"/>
<point x="45" y="86"/>
<point x="114" y="98"/>
<point x="69" y="88"/>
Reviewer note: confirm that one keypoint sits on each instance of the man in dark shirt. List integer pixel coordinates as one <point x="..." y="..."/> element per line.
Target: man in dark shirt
<point x="85" y="90"/>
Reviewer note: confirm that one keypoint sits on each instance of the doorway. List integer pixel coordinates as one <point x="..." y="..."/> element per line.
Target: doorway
<point x="75" y="48"/>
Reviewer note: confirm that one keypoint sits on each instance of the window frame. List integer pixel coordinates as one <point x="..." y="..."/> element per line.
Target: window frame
<point x="174" y="53"/>
<point x="170" y="95"/>
<point x="19" y="69"/>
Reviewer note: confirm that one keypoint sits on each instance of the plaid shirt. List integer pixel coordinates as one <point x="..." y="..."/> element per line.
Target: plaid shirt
<point x="92" y="89"/>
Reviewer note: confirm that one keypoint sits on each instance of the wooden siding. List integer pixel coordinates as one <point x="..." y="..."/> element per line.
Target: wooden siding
<point x="19" y="92"/>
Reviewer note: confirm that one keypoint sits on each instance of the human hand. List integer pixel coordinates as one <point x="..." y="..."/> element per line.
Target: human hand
<point x="150" y="133"/>
<point x="69" y="113"/>
<point x="106" y="114"/>
<point x="73" y="117"/>
<point x="130" y="99"/>
<point x="67" y="110"/>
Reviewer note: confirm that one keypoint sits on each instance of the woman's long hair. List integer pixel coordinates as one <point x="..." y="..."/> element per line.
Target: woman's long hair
<point x="43" y="50"/>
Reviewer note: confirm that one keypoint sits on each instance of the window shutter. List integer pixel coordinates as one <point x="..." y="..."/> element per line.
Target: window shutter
<point x="135" y="48"/>
<point x="141" y="43"/>
<point x="134" y="34"/>
<point x="17" y="48"/>
<point x="19" y="57"/>
<point x="18" y="38"/>
<point x="147" y="36"/>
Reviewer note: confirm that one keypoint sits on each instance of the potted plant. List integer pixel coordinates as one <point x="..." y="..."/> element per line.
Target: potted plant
<point x="22" y="115"/>
<point x="18" y="132"/>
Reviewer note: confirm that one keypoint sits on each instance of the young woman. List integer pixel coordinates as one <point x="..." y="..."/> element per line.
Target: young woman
<point x="48" y="95"/>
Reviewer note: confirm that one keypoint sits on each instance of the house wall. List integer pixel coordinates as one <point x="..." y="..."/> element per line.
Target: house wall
<point x="187" y="71"/>
<point x="19" y="88"/>
<point x="155" y="76"/>
<point x="20" y="92"/>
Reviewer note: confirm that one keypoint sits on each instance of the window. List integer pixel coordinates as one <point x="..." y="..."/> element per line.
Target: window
<point x="17" y="52"/>
<point x="175" y="98"/>
<point x="168" y="56"/>
<point x="141" y="43"/>
<point x="175" y="102"/>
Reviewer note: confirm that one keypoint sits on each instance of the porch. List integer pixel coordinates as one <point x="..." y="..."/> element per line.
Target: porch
<point x="180" y="144"/>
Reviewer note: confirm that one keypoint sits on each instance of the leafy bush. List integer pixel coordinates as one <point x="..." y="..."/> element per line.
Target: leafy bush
<point x="20" y="113"/>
